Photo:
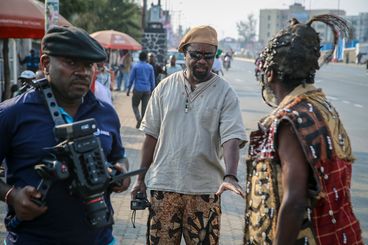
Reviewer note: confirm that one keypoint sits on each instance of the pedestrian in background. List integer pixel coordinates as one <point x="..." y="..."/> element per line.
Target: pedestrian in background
<point x="142" y="77"/>
<point x="217" y="66"/>
<point x="300" y="159"/>
<point x="172" y="67"/>
<point x="103" y="77"/>
<point x="127" y="66"/>
<point x="99" y="90"/>
<point x="32" y="61"/>
<point x="157" y="69"/>
<point x="25" y="81"/>
<point x="27" y="129"/>
<point x="192" y="117"/>
<point x="119" y="73"/>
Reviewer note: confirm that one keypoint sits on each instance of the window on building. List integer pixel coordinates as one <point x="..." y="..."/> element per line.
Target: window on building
<point x="268" y="34"/>
<point x="269" y="17"/>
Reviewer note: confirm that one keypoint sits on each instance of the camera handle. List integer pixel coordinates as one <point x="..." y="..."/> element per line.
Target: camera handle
<point x="44" y="170"/>
<point x="43" y="187"/>
<point x="115" y="179"/>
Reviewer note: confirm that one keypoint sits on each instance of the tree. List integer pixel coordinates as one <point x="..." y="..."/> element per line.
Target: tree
<point x="96" y="15"/>
<point x="247" y="29"/>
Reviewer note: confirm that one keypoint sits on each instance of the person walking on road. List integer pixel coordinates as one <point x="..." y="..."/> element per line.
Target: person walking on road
<point x="157" y="69"/>
<point x="300" y="159"/>
<point x="127" y="66"/>
<point x="142" y="77"/>
<point x="192" y="117"/>
<point x="27" y="131"/>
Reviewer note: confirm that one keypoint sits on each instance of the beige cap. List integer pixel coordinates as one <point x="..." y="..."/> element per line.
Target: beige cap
<point x="199" y="34"/>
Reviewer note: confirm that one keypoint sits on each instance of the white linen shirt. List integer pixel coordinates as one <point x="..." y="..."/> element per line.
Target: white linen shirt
<point x="188" y="150"/>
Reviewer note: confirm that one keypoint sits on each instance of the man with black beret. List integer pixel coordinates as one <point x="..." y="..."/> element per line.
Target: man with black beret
<point x="26" y="129"/>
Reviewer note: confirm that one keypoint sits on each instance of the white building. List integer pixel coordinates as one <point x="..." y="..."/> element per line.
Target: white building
<point x="360" y="26"/>
<point x="273" y="20"/>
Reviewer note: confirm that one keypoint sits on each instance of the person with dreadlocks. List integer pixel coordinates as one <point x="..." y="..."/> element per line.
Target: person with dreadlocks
<point x="300" y="159"/>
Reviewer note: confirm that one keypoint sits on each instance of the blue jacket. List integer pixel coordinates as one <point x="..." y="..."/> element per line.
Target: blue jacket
<point x="142" y="76"/>
<point x="26" y="128"/>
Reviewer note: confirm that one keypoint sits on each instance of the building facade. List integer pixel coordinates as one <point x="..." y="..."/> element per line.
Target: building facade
<point x="272" y="20"/>
<point x="360" y="26"/>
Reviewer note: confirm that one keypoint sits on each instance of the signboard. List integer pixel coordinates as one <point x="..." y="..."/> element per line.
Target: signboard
<point x="51" y="14"/>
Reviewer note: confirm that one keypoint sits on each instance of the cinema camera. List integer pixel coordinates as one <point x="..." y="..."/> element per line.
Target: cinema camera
<point x="79" y="159"/>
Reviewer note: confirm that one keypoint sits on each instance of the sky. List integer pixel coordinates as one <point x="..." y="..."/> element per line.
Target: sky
<point x="224" y="14"/>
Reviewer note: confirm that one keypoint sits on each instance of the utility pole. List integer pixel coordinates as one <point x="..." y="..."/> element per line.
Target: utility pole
<point x="144" y="10"/>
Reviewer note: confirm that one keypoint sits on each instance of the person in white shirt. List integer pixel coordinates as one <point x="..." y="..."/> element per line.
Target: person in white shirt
<point x="217" y="65"/>
<point x="193" y="118"/>
<point x="172" y="67"/>
<point x="104" y="78"/>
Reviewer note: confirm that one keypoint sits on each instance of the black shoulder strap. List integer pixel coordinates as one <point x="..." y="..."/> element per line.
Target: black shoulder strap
<point x="43" y="85"/>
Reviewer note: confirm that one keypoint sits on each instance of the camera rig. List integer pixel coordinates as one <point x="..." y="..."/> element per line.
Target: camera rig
<point x="77" y="159"/>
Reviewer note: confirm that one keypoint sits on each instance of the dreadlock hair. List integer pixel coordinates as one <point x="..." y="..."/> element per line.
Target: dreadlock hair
<point x="293" y="53"/>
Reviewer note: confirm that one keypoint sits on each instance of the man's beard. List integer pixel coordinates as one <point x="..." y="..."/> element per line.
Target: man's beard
<point x="200" y="76"/>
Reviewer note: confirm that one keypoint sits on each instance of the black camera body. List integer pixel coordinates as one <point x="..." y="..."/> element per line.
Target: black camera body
<point x="140" y="202"/>
<point x="80" y="155"/>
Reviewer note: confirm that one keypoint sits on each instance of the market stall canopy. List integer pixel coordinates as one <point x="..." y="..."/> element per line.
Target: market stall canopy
<point x="116" y="40"/>
<point x="24" y="19"/>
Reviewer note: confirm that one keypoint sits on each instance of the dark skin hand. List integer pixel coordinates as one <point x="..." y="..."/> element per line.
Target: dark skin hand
<point x="21" y="200"/>
<point x="231" y="159"/>
<point x="148" y="149"/>
<point x="122" y="166"/>
<point x="295" y="171"/>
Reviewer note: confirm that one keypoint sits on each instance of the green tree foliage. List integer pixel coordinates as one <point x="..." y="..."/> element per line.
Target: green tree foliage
<point x="247" y="29"/>
<point x="97" y="15"/>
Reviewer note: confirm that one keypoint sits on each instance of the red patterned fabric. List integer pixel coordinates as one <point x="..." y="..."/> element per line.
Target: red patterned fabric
<point x="327" y="149"/>
<point x="339" y="226"/>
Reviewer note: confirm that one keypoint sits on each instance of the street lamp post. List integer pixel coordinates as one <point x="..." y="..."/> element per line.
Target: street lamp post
<point x="144" y="9"/>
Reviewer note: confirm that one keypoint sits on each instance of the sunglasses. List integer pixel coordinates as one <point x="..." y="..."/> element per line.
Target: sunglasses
<point x="198" y="56"/>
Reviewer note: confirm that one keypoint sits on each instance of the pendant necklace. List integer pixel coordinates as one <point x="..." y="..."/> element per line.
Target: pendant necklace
<point x="198" y="92"/>
<point x="187" y="104"/>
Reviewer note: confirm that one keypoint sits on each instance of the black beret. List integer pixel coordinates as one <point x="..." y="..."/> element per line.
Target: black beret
<point x="72" y="42"/>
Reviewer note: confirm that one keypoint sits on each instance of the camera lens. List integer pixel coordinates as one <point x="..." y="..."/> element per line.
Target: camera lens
<point x="98" y="214"/>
